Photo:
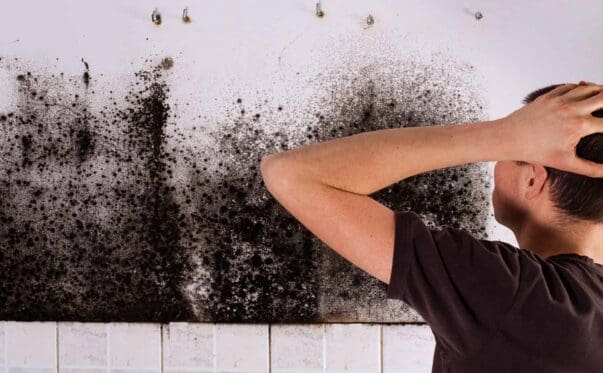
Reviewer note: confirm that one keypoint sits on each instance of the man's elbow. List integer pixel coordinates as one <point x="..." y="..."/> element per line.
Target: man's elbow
<point x="267" y="164"/>
<point x="278" y="169"/>
<point x="285" y="168"/>
<point x="271" y="169"/>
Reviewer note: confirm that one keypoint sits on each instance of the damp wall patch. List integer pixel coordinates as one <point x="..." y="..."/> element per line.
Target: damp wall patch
<point x="113" y="209"/>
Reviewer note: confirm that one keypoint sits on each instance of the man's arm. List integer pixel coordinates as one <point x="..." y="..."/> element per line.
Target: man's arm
<point x="326" y="185"/>
<point x="367" y="162"/>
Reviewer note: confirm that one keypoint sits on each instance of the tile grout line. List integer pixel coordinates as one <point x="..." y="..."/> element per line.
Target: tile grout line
<point x="81" y="367"/>
<point x="42" y="367"/>
<point x="215" y="350"/>
<point x="5" y="325"/>
<point x="381" y="348"/>
<point x="56" y="347"/>
<point x="269" y="348"/>
<point x="161" y="348"/>
<point x="108" y="345"/>
<point x="324" y="348"/>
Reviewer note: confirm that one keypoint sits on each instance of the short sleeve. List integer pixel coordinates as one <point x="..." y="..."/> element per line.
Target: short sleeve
<point x="461" y="286"/>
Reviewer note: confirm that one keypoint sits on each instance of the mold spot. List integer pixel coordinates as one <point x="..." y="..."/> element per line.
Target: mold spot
<point x="167" y="63"/>
<point x="86" y="75"/>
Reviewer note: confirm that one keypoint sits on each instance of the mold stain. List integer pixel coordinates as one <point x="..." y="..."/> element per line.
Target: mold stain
<point x="152" y="210"/>
<point x="90" y="227"/>
<point x="367" y="99"/>
<point x="167" y="63"/>
<point x="108" y="216"/>
<point x="86" y="74"/>
<point x="265" y="266"/>
<point x="262" y="261"/>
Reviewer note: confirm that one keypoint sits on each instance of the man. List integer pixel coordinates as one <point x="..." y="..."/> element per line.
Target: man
<point x="492" y="307"/>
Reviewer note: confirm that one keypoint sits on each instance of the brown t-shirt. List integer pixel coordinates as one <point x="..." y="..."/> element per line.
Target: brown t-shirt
<point x="493" y="307"/>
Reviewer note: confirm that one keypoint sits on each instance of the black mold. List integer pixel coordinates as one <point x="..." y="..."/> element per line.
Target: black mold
<point x="111" y="216"/>
<point x="86" y="75"/>
<point x="167" y="63"/>
<point x="263" y="262"/>
<point x="366" y="100"/>
<point x="296" y="265"/>
<point x="95" y="234"/>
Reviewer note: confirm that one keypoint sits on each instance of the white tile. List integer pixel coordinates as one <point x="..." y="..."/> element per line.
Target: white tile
<point x="296" y="346"/>
<point x="134" y="346"/>
<point x="242" y="347"/>
<point x="352" y="347"/>
<point x="82" y="345"/>
<point x="407" y="348"/>
<point x="31" y="345"/>
<point x="83" y="370"/>
<point x="188" y="345"/>
<point x="2" y="345"/>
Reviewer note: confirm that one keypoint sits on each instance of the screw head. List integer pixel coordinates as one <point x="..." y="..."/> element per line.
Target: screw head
<point x="478" y="15"/>
<point x="185" y="17"/>
<point x="319" y="11"/>
<point x="370" y="20"/>
<point x="156" y="17"/>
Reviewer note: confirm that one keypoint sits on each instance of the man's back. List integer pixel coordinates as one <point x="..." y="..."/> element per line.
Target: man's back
<point x="555" y="325"/>
<point x="495" y="308"/>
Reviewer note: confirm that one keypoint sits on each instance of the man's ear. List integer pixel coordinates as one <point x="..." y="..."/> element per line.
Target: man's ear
<point x="536" y="179"/>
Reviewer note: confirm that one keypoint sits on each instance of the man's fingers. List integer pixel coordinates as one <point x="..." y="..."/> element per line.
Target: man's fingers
<point x="586" y="167"/>
<point x="581" y="92"/>
<point x="587" y="98"/>
<point x="595" y="125"/>
<point x="560" y="90"/>
<point x="591" y="104"/>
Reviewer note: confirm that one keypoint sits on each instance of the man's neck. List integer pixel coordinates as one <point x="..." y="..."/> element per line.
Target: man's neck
<point x="548" y="240"/>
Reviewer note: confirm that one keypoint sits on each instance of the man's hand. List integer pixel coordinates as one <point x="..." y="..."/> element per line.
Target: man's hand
<point x="547" y="130"/>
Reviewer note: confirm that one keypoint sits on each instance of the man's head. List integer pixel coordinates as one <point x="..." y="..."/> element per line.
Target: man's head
<point x="526" y="192"/>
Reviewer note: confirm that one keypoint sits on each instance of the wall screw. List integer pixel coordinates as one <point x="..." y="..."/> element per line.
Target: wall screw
<point x="319" y="11"/>
<point x="185" y="17"/>
<point x="156" y="17"/>
<point x="370" y="20"/>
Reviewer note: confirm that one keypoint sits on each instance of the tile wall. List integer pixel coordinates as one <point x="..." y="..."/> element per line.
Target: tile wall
<point x="73" y="347"/>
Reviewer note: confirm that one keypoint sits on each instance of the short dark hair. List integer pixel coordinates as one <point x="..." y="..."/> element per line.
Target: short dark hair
<point x="577" y="196"/>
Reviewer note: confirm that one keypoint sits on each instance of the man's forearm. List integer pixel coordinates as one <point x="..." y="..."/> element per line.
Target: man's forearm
<point x="367" y="162"/>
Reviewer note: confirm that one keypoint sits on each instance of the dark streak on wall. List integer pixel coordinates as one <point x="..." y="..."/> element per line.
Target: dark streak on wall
<point x="86" y="75"/>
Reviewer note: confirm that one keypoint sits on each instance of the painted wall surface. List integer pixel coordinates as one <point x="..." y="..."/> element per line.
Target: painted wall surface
<point x="129" y="151"/>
